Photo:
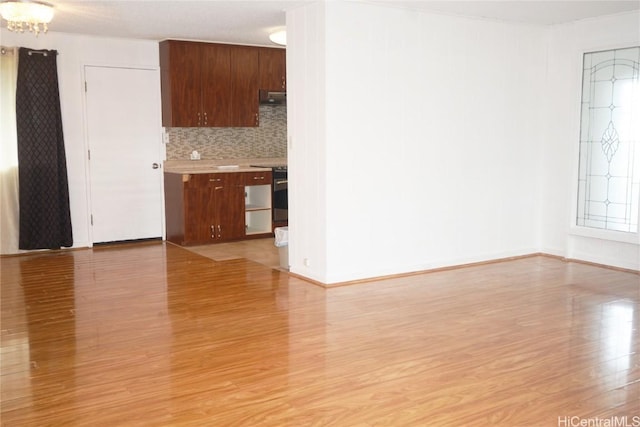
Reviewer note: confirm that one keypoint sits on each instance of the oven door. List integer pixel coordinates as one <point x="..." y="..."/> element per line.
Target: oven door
<point x="280" y="197"/>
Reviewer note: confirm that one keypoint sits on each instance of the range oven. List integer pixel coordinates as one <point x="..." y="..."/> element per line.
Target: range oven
<point x="280" y="196"/>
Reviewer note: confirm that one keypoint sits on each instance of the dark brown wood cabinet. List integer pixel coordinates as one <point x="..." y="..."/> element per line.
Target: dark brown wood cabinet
<point x="215" y="206"/>
<point x="195" y="84"/>
<point x="257" y="178"/>
<point x="273" y="69"/>
<point x="244" y="86"/>
<point x="212" y="207"/>
<point x="216" y="91"/>
<point x="216" y="85"/>
<point x="204" y="208"/>
<point x="180" y="97"/>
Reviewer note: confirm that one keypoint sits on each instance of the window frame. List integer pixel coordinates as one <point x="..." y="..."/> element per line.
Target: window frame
<point x="574" y="228"/>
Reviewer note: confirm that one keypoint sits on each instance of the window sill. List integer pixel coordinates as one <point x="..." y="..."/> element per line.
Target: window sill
<point x="616" y="236"/>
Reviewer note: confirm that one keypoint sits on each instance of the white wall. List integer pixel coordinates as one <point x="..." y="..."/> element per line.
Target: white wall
<point x="75" y="51"/>
<point x="417" y="143"/>
<point x="306" y="149"/>
<point x="560" y="149"/>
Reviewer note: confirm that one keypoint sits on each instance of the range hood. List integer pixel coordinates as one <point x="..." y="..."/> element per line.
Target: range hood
<point x="268" y="97"/>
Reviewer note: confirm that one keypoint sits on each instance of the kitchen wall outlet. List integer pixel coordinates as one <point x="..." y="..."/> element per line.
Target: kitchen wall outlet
<point x="306" y="262"/>
<point x="165" y="137"/>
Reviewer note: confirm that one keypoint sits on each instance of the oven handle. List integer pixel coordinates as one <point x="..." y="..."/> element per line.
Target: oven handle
<point x="284" y="181"/>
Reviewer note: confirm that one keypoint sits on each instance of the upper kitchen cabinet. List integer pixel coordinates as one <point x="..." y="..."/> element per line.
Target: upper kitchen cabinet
<point x="194" y="84"/>
<point x="244" y="86"/>
<point x="216" y="85"/>
<point x="180" y="96"/>
<point x="273" y="69"/>
<point x="216" y="96"/>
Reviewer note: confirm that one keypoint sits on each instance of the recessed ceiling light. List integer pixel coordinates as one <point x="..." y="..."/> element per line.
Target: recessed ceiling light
<point x="279" y="37"/>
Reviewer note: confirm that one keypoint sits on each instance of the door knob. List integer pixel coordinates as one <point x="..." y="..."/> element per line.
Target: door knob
<point x="155" y="166"/>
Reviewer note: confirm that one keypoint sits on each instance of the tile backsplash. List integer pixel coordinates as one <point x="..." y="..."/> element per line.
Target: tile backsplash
<point x="267" y="140"/>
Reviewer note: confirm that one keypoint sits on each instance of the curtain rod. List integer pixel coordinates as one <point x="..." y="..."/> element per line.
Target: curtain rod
<point x="42" y="52"/>
<point x="6" y="50"/>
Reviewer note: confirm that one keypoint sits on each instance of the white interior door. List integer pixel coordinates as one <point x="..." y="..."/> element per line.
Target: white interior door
<point x="125" y="142"/>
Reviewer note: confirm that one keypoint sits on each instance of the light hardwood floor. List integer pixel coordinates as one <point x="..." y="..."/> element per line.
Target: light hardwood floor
<point x="156" y="335"/>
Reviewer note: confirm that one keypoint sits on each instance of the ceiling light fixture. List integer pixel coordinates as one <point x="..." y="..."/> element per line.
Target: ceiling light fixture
<point x="24" y="15"/>
<point x="279" y="37"/>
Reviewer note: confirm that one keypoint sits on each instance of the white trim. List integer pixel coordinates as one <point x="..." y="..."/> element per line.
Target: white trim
<point x="575" y="144"/>
<point x="574" y="229"/>
<point x="161" y="148"/>
<point x="86" y="163"/>
<point x="596" y="233"/>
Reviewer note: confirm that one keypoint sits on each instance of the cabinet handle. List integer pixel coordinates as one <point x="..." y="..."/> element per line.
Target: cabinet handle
<point x="219" y="232"/>
<point x="283" y="82"/>
<point x="214" y="179"/>
<point x="206" y="119"/>
<point x="218" y="188"/>
<point x="258" y="177"/>
<point x="257" y="122"/>
<point x="199" y="119"/>
<point x="213" y="232"/>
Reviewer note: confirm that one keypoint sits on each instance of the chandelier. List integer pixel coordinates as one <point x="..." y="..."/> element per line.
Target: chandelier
<point x="24" y="15"/>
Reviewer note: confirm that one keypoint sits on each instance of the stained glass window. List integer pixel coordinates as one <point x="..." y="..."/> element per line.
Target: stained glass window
<point x="609" y="165"/>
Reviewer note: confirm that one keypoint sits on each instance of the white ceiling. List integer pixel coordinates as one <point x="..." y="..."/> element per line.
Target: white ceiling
<point x="539" y="12"/>
<point x="251" y="21"/>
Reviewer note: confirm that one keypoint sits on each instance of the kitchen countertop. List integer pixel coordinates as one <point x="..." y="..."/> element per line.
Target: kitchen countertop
<point x="222" y="165"/>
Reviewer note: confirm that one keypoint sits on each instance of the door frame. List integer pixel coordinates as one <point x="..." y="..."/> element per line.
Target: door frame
<point x="85" y="131"/>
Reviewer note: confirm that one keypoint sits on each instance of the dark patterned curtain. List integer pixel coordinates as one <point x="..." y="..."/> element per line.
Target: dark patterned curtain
<point x="45" y="219"/>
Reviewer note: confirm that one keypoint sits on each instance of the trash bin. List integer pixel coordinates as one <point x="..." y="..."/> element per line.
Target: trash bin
<point x="282" y="243"/>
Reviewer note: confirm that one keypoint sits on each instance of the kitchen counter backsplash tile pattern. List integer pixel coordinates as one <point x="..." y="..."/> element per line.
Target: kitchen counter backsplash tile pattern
<point x="267" y="140"/>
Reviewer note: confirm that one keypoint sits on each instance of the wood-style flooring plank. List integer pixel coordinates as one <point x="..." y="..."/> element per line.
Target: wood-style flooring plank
<point x="156" y="335"/>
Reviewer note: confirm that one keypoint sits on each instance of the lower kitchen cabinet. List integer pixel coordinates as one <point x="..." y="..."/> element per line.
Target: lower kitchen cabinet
<point x="215" y="207"/>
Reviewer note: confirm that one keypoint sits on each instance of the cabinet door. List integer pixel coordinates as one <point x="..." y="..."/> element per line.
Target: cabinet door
<point x="229" y="206"/>
<point x="180" y="64"/>
<point x="272" y="69"/>
<point x="244" y="86"/>
<point x="199" y="217"/>
<point x="216" y="90"/>
<point x="174" y="207"/>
